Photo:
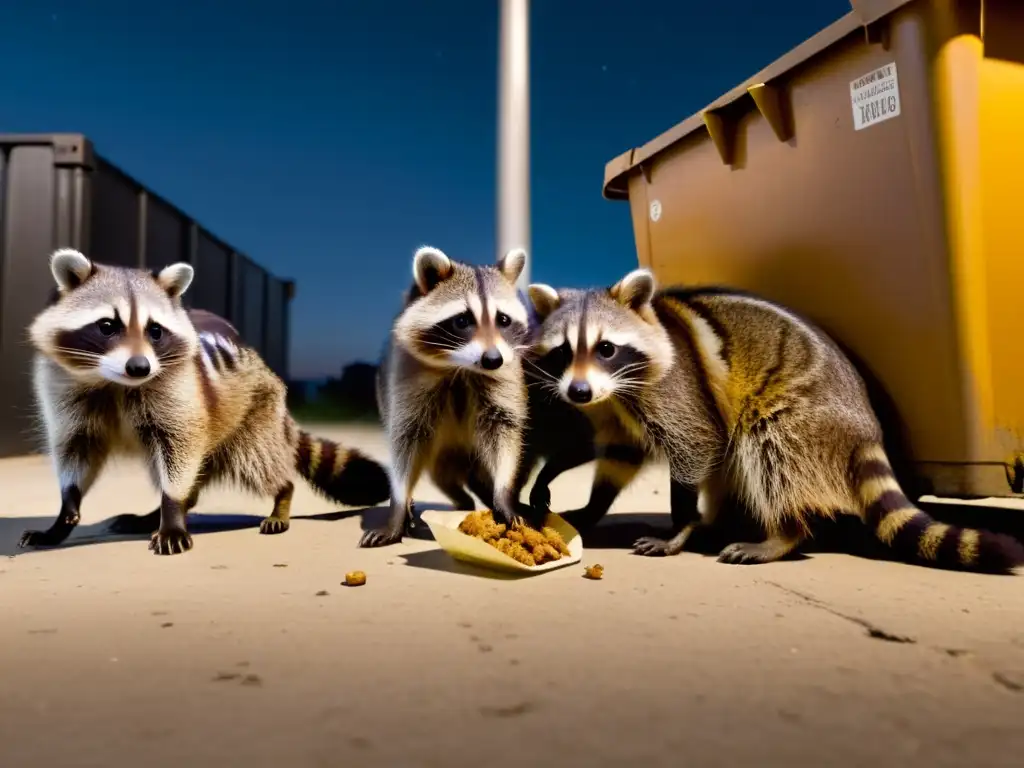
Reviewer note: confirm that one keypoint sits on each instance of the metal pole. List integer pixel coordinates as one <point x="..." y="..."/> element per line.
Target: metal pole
<point x="514" y="132"/>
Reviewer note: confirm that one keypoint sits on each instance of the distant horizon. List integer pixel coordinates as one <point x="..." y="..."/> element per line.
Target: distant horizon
<point x="328" y="142"/>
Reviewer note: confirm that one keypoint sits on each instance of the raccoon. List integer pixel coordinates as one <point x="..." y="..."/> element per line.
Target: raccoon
<point x="121" y="367"/>
<point x="450" y="387"/>
<point x="747" y="402"/>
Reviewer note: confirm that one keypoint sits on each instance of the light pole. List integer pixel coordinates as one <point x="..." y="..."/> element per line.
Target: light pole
<point x="514" y="132"/>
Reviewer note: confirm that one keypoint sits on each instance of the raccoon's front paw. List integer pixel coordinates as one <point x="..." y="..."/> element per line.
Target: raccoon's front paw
<point x="380" y="537"/>
<point x="39" y="539"/>
<point x="134" y="524"/>
<point x="172" y="541"/>
<point x="540" y="498"/>
<point x="650" y="546"/>
<point x="271" y="525"/>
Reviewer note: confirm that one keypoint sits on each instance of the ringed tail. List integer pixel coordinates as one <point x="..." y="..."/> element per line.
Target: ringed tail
<point x="344" y="475"/>
<point x="916" y="537"/>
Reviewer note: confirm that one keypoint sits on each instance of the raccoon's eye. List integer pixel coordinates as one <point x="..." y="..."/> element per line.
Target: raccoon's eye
<point x="463" y="321"/>
<point x="605" y="349"/>
<point x="155" y="331"/>
<point x="107" y="326"/>
<point x="503" y="320"/>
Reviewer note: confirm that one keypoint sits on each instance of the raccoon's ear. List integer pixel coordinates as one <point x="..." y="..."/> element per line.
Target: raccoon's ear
<point x="70" y="268"/>
<point x="176" y="278"/>
<point x="430" y="267"/>
<point x="512" y="263"/>
<point x="635" y="290"/>
<point x="545" y="299"/>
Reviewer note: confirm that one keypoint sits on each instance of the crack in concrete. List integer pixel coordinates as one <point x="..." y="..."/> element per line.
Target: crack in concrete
<point x="1007" y="682"/>
<point x="873" y="630"/>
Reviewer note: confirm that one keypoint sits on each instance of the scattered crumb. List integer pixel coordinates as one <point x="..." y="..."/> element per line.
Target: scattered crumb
<point x="252" y="680"/>
<point x="593" y="572"/>
<point x="280" y="565"/>
<point x="355" y="579"/>
<point x="223" y="676"/>
<point x="485" y="648"/>
<point x="167" y="624"/>
<point x="522" y="543"/>
<point x="322" y="593"/>
<point x="158" y="613"/>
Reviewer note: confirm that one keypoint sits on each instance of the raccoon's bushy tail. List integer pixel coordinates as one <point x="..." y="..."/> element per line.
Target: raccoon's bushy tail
<point x="344" y="475"/>
<point x="912" y="534"/>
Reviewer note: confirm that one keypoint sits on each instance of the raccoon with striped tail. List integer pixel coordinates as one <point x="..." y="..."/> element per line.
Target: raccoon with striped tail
<point x="450" y="387"/>
<point x="746" y="401"/>
<point x="121" y="367"/>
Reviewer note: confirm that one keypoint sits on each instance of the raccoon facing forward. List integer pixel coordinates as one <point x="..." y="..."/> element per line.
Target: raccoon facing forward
<point x="121" y="367"/>
<point x="746" y="401"/>
<point x="450" y="387"/>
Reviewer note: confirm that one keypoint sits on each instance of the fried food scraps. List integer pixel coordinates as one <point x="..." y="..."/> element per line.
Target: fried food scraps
<point x="522" y="543"/>
<point x="594" y="572"/>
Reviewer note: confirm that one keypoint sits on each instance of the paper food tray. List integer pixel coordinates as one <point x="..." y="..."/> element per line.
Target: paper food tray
<point x="469" y="549"/>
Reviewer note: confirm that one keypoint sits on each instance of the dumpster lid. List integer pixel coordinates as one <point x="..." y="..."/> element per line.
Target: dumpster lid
<point x="864" y="12"/>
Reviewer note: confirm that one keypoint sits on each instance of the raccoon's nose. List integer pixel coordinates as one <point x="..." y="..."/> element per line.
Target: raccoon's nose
<point x="491" y="360"/>
<point x="580" y="391"/>
<point x="137" y="366"/>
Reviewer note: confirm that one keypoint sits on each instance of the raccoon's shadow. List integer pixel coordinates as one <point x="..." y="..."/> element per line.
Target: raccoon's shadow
<point x="12" y="528"/>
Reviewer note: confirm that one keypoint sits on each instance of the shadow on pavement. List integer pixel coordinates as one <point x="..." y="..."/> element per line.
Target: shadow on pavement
<point x="11" y="530"/>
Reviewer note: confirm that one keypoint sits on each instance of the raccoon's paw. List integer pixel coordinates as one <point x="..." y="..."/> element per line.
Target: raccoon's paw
<point x="742" y="553"/>
<point x="134" y="524"/>
<point x="172" y="541"/>
<point x="540" y="498"/>
<point x="651" y="546"/>
<point x="380" y="537"/>
<point x="272" y="525"/>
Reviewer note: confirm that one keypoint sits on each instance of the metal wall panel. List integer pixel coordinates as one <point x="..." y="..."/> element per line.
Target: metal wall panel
<point x="115" y="217"/>
<point x="274" y="329"/>
<point x="213" y="265"/>
<point x="254" y="295"/>
<point x="25" y="285"/>
<point x="166" y="234"/>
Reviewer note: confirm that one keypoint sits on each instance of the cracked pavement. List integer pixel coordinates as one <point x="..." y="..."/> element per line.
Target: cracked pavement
<point x="249" y="651"/>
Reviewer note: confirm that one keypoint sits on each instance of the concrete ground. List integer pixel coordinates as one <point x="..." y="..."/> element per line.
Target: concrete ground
<point x="248" y="651"/>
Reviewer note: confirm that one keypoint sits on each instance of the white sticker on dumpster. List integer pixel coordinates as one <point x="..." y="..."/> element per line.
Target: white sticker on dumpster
<point x="875" y="97"/>
<point x="655" y="210"/>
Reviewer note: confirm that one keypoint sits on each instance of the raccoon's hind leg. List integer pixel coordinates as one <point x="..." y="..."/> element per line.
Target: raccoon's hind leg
<point x="79" y="460"/>
<point x="710" y="496"/>
<point x="789" y="535"/>
<point x="280" y="519"/>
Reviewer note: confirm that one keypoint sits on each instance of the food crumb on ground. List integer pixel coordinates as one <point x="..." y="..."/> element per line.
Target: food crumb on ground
<point x="593" y="572"/>
<point x="355" y="579"/>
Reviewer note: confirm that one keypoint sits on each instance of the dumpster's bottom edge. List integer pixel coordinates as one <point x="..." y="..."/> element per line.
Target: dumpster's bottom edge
<point x="965" y="481"/>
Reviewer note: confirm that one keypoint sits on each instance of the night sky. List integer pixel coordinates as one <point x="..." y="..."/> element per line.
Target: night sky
<point x="327" y="140"/>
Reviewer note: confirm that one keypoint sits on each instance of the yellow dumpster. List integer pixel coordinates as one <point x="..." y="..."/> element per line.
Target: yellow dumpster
<point x="873" y="180"/>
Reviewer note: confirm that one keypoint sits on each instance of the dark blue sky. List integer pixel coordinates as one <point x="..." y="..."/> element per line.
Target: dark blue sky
<point x="328" y="139"/>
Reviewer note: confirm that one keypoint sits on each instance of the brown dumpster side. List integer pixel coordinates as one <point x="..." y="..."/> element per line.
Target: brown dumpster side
<point x="869" y="179"/>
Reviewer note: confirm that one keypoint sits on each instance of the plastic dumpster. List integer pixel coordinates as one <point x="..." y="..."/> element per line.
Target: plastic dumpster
<point x="873" y="180"/>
